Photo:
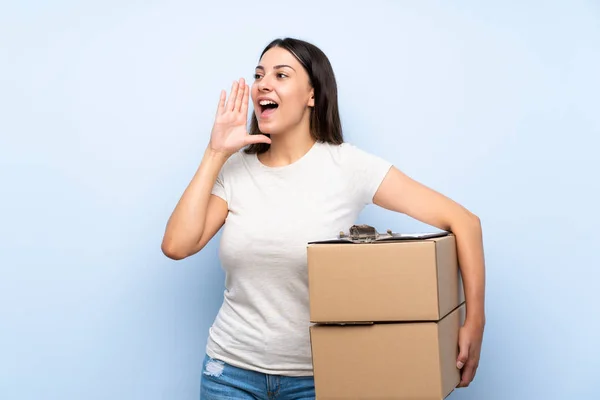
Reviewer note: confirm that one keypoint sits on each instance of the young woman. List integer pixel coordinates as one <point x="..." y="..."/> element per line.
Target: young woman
<point x="295" y="181"/>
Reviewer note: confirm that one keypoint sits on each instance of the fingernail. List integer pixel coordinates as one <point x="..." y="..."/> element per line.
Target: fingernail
<point x="460" y="365"/>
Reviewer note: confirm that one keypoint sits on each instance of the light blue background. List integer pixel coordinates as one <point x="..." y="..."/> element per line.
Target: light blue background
<point x="106" y="107"/>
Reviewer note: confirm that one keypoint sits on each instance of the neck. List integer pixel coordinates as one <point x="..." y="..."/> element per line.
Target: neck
<point x="288" y="147"/>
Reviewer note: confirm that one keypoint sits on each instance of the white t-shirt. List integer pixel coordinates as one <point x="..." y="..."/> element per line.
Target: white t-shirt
<point x="263" y="323"/>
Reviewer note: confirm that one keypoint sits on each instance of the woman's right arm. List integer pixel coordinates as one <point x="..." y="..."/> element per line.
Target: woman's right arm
<point x="199" y="214"/>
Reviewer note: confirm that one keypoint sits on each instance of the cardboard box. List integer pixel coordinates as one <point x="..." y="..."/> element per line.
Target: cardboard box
<point x="405" y="280"/>
<point x="403" y="360"/>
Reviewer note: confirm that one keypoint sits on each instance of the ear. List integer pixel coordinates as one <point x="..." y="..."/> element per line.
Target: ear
<point x="311" y="101"/>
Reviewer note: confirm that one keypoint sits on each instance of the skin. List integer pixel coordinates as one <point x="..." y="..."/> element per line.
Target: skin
<point x="199" y="215"/>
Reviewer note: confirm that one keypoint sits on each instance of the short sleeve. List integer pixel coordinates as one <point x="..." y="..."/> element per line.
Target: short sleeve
<point x="366" y="171"/>
<point x="219" y="186"/>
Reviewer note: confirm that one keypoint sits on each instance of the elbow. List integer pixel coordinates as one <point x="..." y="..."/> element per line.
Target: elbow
<point x="474" y="219"/>
<point x="172" y="251"/>
<point x="472" y="222"/>
<point x="465" y="221"/>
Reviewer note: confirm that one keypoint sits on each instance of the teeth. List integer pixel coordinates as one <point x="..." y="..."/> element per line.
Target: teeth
<point x="265" y="102"/>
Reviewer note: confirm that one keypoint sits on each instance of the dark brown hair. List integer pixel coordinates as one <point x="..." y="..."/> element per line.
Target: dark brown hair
<point x="325" y="124"/>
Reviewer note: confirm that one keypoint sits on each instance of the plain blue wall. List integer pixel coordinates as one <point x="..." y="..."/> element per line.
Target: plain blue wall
<point x="106" y="107"/>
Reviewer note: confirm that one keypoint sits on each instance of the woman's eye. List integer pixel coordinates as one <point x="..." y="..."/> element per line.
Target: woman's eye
<point x="281" y="75"/>
<point x="256" y="76"/>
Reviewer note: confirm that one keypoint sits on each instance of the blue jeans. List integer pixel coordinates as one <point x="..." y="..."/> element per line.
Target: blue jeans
<point x="221" y="381"/>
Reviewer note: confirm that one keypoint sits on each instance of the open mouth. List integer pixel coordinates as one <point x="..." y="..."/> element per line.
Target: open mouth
<point x="267" y="107"/>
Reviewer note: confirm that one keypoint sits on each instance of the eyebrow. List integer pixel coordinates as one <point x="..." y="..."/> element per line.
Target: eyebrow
<point x="276" y="67"/>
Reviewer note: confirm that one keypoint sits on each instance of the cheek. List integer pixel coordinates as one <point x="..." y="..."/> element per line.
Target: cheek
<point x="253" y="92"/>
<point x="253" y="96"/>
<point x="294" y="98"/>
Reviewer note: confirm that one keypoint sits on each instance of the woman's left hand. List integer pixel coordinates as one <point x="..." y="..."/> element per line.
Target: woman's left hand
<point x="470" y="338"/>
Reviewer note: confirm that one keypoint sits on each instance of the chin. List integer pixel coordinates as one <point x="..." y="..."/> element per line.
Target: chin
<point x="267" y="129"/>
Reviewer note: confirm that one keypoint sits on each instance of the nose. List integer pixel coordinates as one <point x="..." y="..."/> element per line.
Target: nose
<point x="264" y="85"/>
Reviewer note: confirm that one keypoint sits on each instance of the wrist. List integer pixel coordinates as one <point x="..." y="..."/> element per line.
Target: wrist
<point x="217" y="155"/>
<point x="475" y="319"/>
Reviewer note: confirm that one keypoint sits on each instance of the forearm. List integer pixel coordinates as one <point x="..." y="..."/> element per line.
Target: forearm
<point x="186" y="224"/>
<point x="469" y="242"/>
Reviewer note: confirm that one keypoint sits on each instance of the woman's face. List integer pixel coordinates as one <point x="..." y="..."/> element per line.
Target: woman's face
<point x="281" y="92"/>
